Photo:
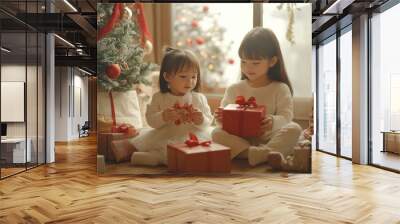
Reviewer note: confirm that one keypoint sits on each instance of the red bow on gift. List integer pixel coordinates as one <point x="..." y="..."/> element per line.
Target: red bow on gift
<point x="186" y="112"/>
<point x="194" y="141"/>
<point x="243" y="103"/>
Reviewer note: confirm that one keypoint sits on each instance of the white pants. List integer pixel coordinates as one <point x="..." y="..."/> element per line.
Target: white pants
<point x="282" y="140"/>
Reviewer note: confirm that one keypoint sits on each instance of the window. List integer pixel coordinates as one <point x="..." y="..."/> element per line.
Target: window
<point x="22" y="63"/>
<point x="346" y="94"/>
<point x="385" y="83"/>
<point x="327" y="96"/>
<point x="213" y="32"/>
<point x="394" y="101"/>
<point x="294" y="38"/>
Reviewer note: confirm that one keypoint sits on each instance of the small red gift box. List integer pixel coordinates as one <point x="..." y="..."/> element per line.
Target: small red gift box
<point x="198" y="157"/>
<point x="185" y="112"/>
<point x="243" y="118"/>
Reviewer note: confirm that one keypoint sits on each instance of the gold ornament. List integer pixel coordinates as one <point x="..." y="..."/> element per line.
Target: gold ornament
<point x="127" y="13"/>
<point x="290" y="7"/>
<point x="125" y="65"/>
<point x="148" y="47"/>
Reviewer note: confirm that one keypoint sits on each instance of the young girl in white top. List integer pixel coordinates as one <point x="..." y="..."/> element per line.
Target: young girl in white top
<point x="179" y="82"/>
<point x="264" y="77"/>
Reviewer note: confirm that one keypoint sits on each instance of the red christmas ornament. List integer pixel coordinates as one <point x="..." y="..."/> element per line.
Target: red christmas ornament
<point x="200" y="40"/>
<point x="231" y="61"/>
<point x="195" y="24"/>
<point x="113" y="71"/>
<point x="205" y="8"/>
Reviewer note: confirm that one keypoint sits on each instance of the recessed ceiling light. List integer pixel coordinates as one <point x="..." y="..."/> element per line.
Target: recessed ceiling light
<point x="86" y="72"/>
<point x="337" y="7"/>
<point x="70" y="5"/>
<point x="65" y="41"/>
<point x="5" y="50"/>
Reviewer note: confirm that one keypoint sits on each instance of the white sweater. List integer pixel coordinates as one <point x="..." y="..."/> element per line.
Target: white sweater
<point x="276" y="97"/>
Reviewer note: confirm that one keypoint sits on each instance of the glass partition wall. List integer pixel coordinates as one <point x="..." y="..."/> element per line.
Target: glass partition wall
<point x="385" y="89"/>
<point x="22" y="77"/>
<point x="326" y="129"/>
<point x="334" y="95"/>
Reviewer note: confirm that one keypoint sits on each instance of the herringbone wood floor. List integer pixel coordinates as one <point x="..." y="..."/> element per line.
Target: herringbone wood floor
<point x="69" y="191"/>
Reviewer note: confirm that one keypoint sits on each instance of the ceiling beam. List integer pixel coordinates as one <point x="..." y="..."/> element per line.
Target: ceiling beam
<point x="82" y="61"/>
<point x="84" y="24"/>
<point x="337" y="7"/>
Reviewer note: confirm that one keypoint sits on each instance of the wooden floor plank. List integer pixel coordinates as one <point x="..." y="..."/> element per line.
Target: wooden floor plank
<point x="69" y="191"/>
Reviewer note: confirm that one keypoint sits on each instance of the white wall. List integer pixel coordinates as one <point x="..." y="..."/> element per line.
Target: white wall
<point x="61" y="103"/>
<point x="69" y="85"/>
<point x="79" y="117"/>
<point x="34" y="125"/>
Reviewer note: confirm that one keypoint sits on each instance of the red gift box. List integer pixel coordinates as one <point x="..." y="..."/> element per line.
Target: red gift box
<point x="198" y="157"/>
<point x="185" y="112"/>
<point x="243" y="118"/>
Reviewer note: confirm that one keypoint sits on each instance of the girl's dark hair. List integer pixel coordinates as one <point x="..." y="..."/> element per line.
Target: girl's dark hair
<point x="176" y="60"/>
<point x="261" y="43"/>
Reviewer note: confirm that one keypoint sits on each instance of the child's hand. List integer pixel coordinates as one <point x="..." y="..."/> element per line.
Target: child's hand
<point x="218" y="115"/>
<point x="266" y="124"/>
<point x="197" y="117"/>
<point x="170" y="115"/>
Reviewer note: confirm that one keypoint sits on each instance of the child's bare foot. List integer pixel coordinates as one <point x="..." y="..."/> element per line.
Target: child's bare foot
<point x="276" y="160"/>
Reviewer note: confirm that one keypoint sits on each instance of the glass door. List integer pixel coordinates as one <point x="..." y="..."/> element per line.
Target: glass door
<point x="326" y="106"/>
<point x="385" y="90"/>
<point x="346" y="93"/>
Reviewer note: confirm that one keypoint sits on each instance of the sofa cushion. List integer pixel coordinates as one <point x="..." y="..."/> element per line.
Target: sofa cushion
<point x="303" y="109"/>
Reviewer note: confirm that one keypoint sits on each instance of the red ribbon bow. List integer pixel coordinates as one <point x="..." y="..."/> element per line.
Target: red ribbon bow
<point x="251" y="102"/>
<point x="194" y="141"/>
<point x="187" y="115"/>
<point x="115" y="17"/>
<point x="185" y="106"/>
<point x="122" y="128"/>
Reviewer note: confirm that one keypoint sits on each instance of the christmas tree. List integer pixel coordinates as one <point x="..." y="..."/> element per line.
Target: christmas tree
<point x="119" y="50"/>
<point x="196" y="29"/>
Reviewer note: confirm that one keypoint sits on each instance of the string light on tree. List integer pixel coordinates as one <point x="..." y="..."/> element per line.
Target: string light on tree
<point x="197" y="28"/>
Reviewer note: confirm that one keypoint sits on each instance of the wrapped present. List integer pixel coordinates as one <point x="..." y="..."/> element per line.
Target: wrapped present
<point x="302" y="161"/>
<point x="243" y="118"/>
<point x="195" y="156"/>
<point x="185" y="112"/>
<point x="120" y="113"/>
